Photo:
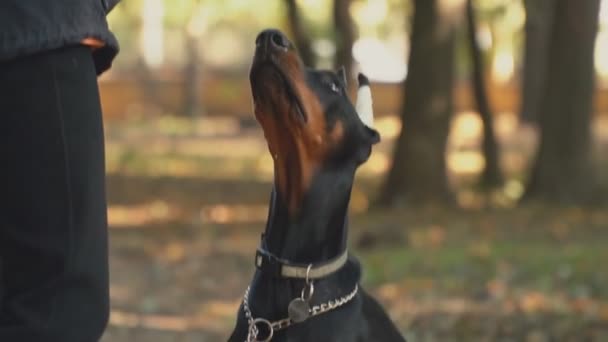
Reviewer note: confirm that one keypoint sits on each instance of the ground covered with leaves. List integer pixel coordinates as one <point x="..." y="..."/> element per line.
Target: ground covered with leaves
<point x="187" y="205"/>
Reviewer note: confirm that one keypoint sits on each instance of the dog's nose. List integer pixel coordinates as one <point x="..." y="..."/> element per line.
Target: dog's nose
<point x="272" y="39"/>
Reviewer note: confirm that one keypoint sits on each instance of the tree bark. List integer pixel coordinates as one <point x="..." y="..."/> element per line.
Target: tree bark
<point x="345" y="36"/>
<point x="418" y="174"/>
<point x="539" y="18"/>
<point x="298" y="32"/>
<point x="491" y="176"/>
<point x="562" y="171"/>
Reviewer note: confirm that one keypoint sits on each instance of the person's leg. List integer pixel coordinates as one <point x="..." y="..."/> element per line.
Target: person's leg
<point x="53" y="227"/>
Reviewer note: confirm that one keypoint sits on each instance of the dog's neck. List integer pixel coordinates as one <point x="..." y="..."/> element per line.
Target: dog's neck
<point x="317" y="231"/>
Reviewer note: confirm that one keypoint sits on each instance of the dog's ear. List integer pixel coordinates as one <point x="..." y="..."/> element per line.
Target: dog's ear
<point x="342" y="75"/>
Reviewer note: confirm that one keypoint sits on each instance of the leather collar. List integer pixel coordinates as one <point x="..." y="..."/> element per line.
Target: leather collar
<point x="271" y="264"/>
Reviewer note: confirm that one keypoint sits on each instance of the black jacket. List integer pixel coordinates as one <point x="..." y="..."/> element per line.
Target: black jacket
<point x="31" y="26"/>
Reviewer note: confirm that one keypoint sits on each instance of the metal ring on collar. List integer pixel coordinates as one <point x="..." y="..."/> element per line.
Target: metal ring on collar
<point x="254" y="325"/>
<point x="306" y="296"/>
<point x="308" y="273"/>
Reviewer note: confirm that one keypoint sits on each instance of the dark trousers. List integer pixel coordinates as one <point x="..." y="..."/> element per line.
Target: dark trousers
<point x="53" y="226"/>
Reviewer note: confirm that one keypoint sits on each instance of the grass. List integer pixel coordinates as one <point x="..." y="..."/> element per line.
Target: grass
<point x="457" y="269"/>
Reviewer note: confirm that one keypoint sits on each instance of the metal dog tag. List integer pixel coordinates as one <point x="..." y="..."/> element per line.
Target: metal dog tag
<point x="298" y="310"/>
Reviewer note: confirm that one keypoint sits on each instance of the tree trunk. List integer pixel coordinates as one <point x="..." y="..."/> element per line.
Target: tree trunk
<point x="539" y="18"/>
<point x="298" y="32"/>
<point x="191" y="103"/>
<point x="562" y="172"/>
<point x="491" y="176"/>
<point x="345" y="36"/>
<point x="418" y="174"/>
<point x="148" y="85"/>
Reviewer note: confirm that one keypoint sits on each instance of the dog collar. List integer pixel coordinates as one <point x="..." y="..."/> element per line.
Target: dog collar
<point x="270" y="263"/>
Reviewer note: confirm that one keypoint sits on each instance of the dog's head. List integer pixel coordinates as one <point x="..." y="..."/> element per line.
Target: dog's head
<point x="308" y="120"/>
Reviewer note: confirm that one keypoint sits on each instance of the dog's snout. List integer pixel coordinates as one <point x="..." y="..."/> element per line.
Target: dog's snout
<point x="273" y="39"/>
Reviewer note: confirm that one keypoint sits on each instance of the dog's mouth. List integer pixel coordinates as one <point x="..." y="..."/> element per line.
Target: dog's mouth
<point x="269" y="82"/>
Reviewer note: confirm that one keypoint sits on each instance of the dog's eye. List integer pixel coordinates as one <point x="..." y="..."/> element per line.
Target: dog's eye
<point x="335" y="88"/>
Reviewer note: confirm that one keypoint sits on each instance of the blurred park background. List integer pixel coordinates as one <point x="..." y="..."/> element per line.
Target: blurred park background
<point x="481" y="216"/>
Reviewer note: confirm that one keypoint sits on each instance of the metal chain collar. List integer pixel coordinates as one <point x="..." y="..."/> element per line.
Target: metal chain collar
<point x="286" y="322"/>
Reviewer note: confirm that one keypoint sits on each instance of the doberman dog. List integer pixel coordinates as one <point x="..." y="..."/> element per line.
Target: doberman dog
<point x="306" y="287"/>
